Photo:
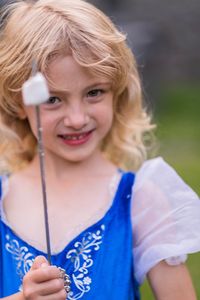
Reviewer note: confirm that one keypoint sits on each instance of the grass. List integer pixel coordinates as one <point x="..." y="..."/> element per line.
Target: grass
<point x="177" y="115"/>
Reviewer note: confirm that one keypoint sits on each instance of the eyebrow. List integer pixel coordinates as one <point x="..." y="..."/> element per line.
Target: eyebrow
<point x="93" y="85"/>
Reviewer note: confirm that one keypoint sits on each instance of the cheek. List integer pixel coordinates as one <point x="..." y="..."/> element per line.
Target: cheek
<point x="107" y="120"/>
<point x="105" y="115"/>
<point x="45" y="120"/>
<point x="50" y="123"/>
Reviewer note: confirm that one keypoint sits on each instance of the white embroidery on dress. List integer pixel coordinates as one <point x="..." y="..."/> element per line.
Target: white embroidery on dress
<point x="24" y="259"/>
<point x="81" y="257"/>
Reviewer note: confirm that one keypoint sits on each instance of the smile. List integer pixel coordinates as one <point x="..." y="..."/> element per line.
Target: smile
<point x="76" y="138"/>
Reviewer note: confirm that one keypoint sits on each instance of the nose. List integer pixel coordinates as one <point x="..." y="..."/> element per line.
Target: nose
<point x="76" y="116"/>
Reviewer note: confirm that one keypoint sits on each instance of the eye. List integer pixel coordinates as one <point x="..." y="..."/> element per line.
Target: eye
<point x="95" y="93"/>
<point x="53" y="100"/>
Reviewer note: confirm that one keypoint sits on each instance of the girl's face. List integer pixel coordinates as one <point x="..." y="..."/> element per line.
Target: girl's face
<point x="78" y="114"/>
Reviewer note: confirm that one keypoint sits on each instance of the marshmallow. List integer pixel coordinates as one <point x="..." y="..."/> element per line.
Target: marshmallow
<point x="35" y="90"/>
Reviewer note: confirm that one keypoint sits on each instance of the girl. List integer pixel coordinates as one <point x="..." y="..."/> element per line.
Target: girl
<point x="109" y="228"/>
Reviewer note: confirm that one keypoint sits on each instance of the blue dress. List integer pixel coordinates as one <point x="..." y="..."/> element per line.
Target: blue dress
<point x="99" y="260"/>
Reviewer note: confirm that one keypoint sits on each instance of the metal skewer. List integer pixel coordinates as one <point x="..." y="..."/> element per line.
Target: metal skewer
<point x="43" y="182"/>
<point x="42" y="172"/>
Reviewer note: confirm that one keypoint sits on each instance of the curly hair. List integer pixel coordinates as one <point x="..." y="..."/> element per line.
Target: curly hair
<point x="47" y="28"/>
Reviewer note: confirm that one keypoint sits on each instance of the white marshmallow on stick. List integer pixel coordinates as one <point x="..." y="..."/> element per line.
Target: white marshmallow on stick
<point x="35" y="90"/>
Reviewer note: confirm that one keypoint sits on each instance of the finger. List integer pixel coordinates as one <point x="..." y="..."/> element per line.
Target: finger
<point x="61" y="295"/>
<point x="43" y="274"/>
<point x="51" y="287"/>
<point x="38" y="262"/>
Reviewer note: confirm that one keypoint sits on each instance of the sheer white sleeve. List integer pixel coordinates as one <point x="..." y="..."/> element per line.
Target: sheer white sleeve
<point x="165" y="217"/>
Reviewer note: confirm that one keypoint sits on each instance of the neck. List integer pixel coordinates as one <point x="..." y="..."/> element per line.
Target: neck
<point x="60" y="169"/>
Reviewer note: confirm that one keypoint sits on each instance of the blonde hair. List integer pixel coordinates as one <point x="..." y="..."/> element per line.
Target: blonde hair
<point x="43" y="29"/>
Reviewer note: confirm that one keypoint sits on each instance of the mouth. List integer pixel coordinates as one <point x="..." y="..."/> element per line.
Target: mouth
<point x="76" y="138"/>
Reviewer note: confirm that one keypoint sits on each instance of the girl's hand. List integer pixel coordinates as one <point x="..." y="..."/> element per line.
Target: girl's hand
<point x="43" y="282"/>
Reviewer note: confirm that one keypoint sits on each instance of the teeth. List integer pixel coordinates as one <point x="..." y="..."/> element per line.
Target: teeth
<point x="73" y="138"/>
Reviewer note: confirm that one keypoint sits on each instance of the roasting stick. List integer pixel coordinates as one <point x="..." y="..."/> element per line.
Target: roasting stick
<point x="35" y="92"/>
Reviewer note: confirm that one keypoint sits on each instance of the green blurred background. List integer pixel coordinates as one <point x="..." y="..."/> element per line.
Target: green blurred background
<point x="177" y="116"/>
<point x="164" y="36"/>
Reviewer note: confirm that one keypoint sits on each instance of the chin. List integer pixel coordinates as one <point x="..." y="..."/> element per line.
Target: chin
<point x="75" y="158"/>
<point x="73" y="155"/>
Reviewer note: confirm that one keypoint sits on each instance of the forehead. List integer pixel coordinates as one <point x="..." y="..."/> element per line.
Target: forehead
<point x="64" y="73"/>
<point x="65" y="65"/>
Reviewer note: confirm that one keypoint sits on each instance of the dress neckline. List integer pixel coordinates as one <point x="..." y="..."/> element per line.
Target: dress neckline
<point x="88" y="228"/>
